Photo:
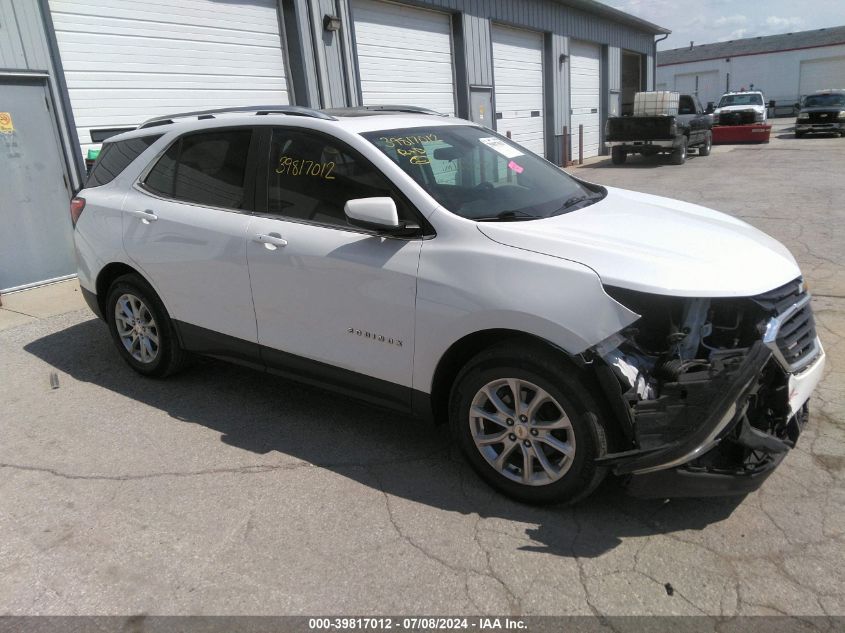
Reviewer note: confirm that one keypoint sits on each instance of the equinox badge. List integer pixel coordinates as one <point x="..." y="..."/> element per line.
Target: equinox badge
<point x="381" y="338"/>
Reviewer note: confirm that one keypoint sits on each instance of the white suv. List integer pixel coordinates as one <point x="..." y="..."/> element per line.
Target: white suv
<point x="562" y="329"/>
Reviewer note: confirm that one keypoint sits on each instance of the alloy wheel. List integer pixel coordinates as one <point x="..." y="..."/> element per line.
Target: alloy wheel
<point x="136" y="328"/>
<point x="522" y="431"/>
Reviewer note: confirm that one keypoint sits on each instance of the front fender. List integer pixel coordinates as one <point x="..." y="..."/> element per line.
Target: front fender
<point x="468" y="283"/>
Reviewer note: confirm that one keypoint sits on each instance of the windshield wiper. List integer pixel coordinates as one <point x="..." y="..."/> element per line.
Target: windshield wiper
<point x="506" y="216"/>
<point x="575" y="200"/>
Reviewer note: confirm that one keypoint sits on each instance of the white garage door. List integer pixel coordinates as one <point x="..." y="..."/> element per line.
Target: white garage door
<point x="585" y="96"/>
<point x="404" y="55"/>
<point x="704" y="84"/>
<point x="126" y="61"/>
<point x="518" y="79"/>
<point x="820" y="74"/>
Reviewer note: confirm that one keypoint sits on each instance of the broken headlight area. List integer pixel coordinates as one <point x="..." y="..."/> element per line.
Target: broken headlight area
<point x="703" y="384"/>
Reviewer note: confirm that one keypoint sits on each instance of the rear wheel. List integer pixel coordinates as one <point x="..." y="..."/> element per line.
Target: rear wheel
<point x="704" y="150"/>
<point x="679" y="154"/>
<point x="530" y="427"/>
<point x="618" y="155"/>
<point x="141" y="328"/>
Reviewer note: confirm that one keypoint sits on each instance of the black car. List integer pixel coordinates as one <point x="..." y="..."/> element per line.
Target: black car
<point x="822" y="112"/>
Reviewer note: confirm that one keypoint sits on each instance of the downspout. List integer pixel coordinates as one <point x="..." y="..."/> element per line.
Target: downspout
<point x="654" y="61"/>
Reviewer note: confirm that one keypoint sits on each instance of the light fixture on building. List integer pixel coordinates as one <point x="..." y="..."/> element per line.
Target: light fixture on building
<point x="562" y="59"/>
<point x="331" y="22"/>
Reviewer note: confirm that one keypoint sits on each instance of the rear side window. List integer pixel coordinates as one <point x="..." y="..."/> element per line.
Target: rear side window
<point x="115" y="157"/>
<point x="206" y="168"/>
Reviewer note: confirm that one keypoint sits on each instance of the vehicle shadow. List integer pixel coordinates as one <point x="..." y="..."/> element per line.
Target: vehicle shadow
<point x="791" y="135"/>
<point x="381" y="449"/>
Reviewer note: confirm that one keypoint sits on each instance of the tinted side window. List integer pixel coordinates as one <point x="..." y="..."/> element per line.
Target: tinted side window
<point x="311" y="178"/>
<point x="115" y="157"/>
<point x="163" y="176"/>
<point x="207" y="168"/>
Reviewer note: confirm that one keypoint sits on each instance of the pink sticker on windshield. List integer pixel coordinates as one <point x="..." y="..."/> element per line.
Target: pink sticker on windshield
<point x="517" y="168"/>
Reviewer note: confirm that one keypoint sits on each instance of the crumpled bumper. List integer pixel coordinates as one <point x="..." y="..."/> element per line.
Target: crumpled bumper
<point x="726" y="453"/>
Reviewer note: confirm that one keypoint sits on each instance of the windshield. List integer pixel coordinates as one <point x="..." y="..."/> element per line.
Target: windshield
<point x="735" y="100"/>
<point x="821" y="101"/>
<point x="481" y="176"/>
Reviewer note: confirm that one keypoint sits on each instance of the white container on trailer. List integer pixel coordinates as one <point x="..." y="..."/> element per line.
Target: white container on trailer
<point x="661" y="102"/>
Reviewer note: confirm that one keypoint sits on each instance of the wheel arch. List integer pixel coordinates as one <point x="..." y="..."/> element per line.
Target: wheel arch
<point x="464" y="349"/>
<point x="106" y="277"/>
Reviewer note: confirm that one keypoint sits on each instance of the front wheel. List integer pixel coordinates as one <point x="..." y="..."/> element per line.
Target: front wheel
<point x="704" y="150"/>
<point x="679" y="155"/>
<point x="529" y="427"/>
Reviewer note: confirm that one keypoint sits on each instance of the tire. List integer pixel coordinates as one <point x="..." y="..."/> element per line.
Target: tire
<point x="704" y="150"/>
<point x="141" y="317"/>
<point x="618" y="156"/>
<point x="679" y="155"/>
<point x="567" y="400"/>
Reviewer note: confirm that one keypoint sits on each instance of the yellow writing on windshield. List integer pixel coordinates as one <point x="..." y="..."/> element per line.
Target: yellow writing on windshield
<point x="407" y="141"/>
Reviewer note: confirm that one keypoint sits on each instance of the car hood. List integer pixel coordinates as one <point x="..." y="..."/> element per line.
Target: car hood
<point x="740" y="108"/>
<point x="657" y="245"/>
<point x="823" y="109"/>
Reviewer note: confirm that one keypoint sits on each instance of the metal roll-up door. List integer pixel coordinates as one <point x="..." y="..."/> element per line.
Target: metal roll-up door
<point x="585" y="95"/>
<point x="127" y="61"/>
<point x="404" y="55"/>
<point x="821" y="74"/>
<point x="518" y="79"/>
<point x="705" y="85"/>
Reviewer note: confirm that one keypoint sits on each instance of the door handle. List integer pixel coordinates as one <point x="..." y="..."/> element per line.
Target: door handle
<point x="270" y="240"/>
<point x="146" y="216"/>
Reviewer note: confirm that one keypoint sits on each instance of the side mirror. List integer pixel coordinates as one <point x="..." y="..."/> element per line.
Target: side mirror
<point x="710" y="108"/>
<point x="377" y="214"/>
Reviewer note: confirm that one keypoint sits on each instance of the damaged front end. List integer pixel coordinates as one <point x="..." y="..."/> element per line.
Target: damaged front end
<point x="711" y="393"/>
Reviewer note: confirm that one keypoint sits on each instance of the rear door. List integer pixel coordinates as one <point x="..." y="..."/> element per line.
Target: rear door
<point x="334" y="304"/>
<point x="184" y="226"/>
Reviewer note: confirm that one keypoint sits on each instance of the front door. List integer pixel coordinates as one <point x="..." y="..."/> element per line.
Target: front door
<point x="185" y="226"/>
<point x="334" y="304"/>
<point x="36" y="243"/>
<point x="689" y="114"/>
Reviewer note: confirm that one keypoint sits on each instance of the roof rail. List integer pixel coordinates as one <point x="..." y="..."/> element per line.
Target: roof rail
<point x="384" y="108"/>
<point x="259" y="110"/>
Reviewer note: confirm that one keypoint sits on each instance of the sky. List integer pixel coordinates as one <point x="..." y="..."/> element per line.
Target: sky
<point x="707" y="21"/>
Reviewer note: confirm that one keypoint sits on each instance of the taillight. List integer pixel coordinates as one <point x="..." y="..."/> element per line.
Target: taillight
<point x="77" y="205"/>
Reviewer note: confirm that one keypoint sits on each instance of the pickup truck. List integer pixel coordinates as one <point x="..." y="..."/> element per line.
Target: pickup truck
<point x="671" y="134"/>
<point x="822" y="111"/>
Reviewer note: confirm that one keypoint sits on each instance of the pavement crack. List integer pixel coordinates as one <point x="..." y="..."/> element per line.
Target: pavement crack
<point x="239" y="470"/>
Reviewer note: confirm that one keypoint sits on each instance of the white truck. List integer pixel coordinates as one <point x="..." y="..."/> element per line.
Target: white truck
<point x="740" y="108"/>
